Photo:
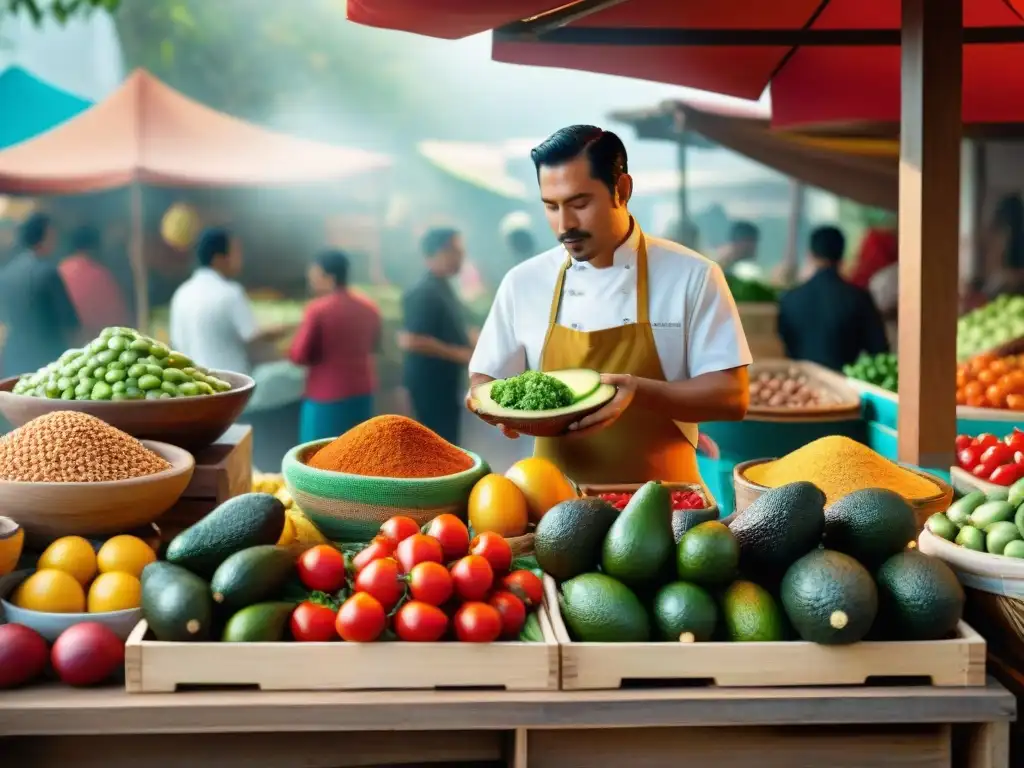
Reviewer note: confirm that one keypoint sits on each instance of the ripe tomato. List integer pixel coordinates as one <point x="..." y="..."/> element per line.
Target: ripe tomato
<point x="526" y="586"/>
<point x="361" y="619"/>
<point x="430" y="583"/>
<point x="417" y="549"/>
<point x="477" y="623"/>
<point x="512" y="610"/>
<point x="313" y="623"/>
<point x="418" y="622"/>
<point x="984" y="440"/>
<point x="1007" y="474"/>
<point x="493" y="548"/>
<point x="375" y="550"/>
<point x="997" y="455"/>
<point x="322" y="568"/>
<point x="968" y="458"/>
<point x="472" y="577"/>
<point x="962" y="441"/>
<point x="399" y="528"/>
<point x="453" y="535"/>
<point x="382" y="579"/>
<point x="1015" y="441"/>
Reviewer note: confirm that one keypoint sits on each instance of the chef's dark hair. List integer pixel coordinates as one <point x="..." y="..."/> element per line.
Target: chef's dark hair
<point x="604" y="150"/>
<point x="33" y="230"/>
<point x="828" y="244"/>
<point x="335" y="264"/>
<point x="437" y="240"/>
<point x="214" y="242"/>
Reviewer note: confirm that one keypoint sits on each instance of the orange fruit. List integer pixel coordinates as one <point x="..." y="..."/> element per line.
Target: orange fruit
<point x="987" y="377"/>
<point x="542" y="483"/>
<point x="50" y="591"/>
<point x="496" y="504"/>
<point x="71" y="554"/>
<point x="1015" y="402"/>
<point x="12" y="539"/>
<point x="125" y="554"/>
<point x="114" y="591"/>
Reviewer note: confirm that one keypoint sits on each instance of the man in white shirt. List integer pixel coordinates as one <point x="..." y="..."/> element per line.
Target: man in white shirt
<point x="655" y="318"/>
<point x="211" y="319"/>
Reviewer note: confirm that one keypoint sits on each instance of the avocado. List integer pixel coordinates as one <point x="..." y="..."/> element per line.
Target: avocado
<point x="260" y="623"/>
<point x="245" y="521"/>
<point x="830" y="598"/>
<point x="751" y="614"/>
<point x="569" y="537"/>
<point x="684" y="612"/>
<point x="960" y="510"/>
<point x="781" y="526"/>
<point x="252" y="575"/>
<point x="599" y="609"/>
<point x="870" y="525"/>
<point x="639" y="546"/>
<point x="176" y="603"/>
<point x="991" y="512"/>
<point x="942" y="526"/>
<point x="919" y="597"/>
<point x="708" y="555"/>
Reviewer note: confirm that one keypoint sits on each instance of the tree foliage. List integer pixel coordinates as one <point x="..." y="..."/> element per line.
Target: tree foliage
<point x="61" y="10"/>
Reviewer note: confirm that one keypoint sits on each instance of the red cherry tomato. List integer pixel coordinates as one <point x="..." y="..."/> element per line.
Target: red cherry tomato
<point x="997" y="455"/>
<point x="512" y="610"/>
<point x="493" y="548"/>
<point x="472" y="577"/>
<point x="477" y="623"/>
<point x="322" y="568"/>
<point x="983" y="471"/>
<point x="984" y="440"/>
<point x="418" y="549"/>
<point x="430" y="583"/>
<point x="968" y="458"/>
<point x="383" y="580"/>
<point x="1008" y="474"/>
<point x="453" y="535"/>
<point x="399" y="528"/>
<point x="375" y="550"/>
<point x="962" y="442"/>
<point x="418" y="622"/>
<point x="1015" y="441"/>
<point x="313" y="623"/>
<point x="361" y="619"/>
<point x="1018" y="457"/>
<point x="526" y="586"/>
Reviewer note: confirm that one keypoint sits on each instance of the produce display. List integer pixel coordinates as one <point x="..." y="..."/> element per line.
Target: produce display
<point x="990" y="459"/>
<point x="998" y="322"/>
<point x="120" y="364"/>
<point x="786" y="568"/>
<point x="882" y="370"/>
<point x="839" y="466"/>
<point x="73" y="447"/>
<point x="680" y="498"/>
<point x="555" y="393"/>
<point x="992" y="523"/>
<point x="748" y="291"/>
<point x="987" y="381"/>
<point x="789" y="389"/>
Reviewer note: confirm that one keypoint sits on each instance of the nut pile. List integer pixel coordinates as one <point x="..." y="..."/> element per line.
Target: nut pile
<point x="72" y="447"/>
<point x="788" y="389"/>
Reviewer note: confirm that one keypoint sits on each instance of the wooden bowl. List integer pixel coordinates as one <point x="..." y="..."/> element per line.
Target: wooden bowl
<point x="748" y="492"/>
<point x="541" y="426"/>
<point x="189" y="422"/>
<point x="50" y="510"/>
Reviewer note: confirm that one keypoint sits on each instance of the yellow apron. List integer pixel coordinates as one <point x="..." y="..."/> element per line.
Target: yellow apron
<point x="641" y="445"/>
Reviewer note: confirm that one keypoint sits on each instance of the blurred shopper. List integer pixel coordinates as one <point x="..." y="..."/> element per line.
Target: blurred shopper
<point x="211" y="319"/>
<point x="515" y="232"/>
<point x="337" y="340"/>
<point x="879" y="249"/>
<point x="1004" y="248"/>
<point x="435" y="338"/>
<point x="826" y="320"/>
<point x="741" y="248"/>
<point x="92" y="287"/>
<point x="35" y="308"/>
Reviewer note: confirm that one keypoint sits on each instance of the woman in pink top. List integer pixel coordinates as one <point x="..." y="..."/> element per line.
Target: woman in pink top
<point x="337" y="340"/>
<point x="92" y="288"/>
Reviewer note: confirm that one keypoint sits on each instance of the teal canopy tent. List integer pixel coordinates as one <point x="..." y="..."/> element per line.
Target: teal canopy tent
<point x="30" y="106"/>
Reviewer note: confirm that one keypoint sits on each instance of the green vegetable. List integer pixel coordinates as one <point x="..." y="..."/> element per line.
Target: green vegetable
<point x="531" y="391"/>
<point x="881" y="370"/>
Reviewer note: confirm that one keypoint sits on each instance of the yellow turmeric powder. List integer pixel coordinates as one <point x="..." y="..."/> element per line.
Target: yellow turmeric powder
<point x="838" y="466"/>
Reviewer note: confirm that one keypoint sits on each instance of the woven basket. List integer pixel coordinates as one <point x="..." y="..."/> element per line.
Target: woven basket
<point x="352" y="507"/>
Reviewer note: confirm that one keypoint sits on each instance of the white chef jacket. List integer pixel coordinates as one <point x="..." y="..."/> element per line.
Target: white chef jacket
<point x="696" y="324"/>
<point x="212" y="321"/>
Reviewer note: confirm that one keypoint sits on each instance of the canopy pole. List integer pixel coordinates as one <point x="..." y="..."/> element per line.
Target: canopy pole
<point x="137" y="256"/>
<point x="929" y="219"/>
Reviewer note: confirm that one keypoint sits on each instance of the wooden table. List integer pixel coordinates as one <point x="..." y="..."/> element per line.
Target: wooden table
<point x="854" y="727"/>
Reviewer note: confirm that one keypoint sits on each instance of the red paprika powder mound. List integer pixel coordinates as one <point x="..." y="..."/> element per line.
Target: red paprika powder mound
<point x="391" y="446"/>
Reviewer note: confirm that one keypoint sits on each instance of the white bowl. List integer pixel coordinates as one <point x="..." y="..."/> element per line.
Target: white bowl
<point x="51" y="625"/>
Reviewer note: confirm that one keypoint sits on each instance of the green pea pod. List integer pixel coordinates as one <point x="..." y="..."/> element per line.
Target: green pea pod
<point x="149" y="382"/>
<point x="177" y="360"/>
<point x="169" y="388"/>
<point x="174" y="376"/>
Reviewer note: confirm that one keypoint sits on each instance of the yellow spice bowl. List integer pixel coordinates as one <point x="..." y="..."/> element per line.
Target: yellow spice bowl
<point x="747" y="492"/>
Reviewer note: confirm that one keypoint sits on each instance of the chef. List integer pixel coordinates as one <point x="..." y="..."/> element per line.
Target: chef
<point x="656" y="319"/>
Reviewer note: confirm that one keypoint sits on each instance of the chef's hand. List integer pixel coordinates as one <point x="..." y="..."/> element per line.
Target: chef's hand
<point x="471" y="406"/>
<point x="625" y="385"/>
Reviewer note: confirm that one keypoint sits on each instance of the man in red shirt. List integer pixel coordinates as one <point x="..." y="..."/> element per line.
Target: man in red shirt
<point x="337" y="340"/>
<point x="92" y="288"/>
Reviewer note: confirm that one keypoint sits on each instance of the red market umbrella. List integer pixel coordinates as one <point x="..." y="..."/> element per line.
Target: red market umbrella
<point x="828" y="61"/>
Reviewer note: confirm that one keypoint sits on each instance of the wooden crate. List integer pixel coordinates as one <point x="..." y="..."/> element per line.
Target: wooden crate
<point x="959" y="661"/>
<point x="152" y="666"/>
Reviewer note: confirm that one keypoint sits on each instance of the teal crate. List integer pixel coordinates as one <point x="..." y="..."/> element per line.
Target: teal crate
<point x="882" y="440"/>
<point x="877" y="404"/>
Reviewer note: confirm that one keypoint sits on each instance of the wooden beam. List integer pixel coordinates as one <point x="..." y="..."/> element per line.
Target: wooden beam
<point x="560" y="17"/>
<point x="930" y="139"/>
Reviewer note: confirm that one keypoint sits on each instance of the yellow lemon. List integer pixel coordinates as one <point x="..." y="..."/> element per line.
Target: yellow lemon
<point x="50" y="591"/>
<point x="288" y="534"/>
<point x="496" y="504"/>
<point x="114" y="591"/>
<point x="73" y="555"/>
<point x="126" y="554"/>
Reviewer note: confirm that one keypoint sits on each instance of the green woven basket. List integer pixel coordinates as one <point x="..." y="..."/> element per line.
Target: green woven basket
<point x="352" y="507"/>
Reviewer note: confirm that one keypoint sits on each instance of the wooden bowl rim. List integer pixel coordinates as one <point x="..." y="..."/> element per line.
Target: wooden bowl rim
<point x="984" y="564"/>
<point x="246" y="385"/>
<point x="181" y="462"/>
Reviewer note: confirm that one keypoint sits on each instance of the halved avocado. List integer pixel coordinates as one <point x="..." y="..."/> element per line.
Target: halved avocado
<point x="586" y="386"/>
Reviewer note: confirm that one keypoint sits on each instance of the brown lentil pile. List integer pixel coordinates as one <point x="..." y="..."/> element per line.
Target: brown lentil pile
<point x="72" y="447"/>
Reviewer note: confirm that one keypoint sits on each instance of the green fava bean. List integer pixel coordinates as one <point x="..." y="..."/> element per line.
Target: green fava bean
<point x="115" y="374"/>
<point x="154" y="370"/>
<point x="51" y="389"/>
<point x="131" y="382"/>
<point x="140" y="345"/>
<point x="101" y="391"/>
<point x="134" y="394"/>
<point x="100" y="345"/>
<point x="188" y="389"/>
<point x="68" y="394"/>
<point x="118" y="397"/>
<point x="128" y="357"/>
<point x="174" y="376"/>
<point x="149" y="382"/>
<point x="118" y="386"/>
<point x="100" y="372"/>
<point x="169" y="388"/>
<point x="159" y="351"/>
<point x="176" y="360"/>
<point x="137" y="371"/>
<point x="204" y="388"/>
<point x="84" y="388"/>
<point x="118" y="343"/>
<point x="107" y="356"/>
<point x="70" y="370"/>
<point x="64" y="382"/>
<point x="155" y="394"/>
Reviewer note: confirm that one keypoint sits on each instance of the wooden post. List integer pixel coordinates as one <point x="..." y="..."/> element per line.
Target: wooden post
<point x="930" y="137"/>
<point x="137" y="257"/>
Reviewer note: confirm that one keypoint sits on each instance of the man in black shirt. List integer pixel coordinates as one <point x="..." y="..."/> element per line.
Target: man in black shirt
<point x="34" y="304"/>
<point x="435" y="338"/>
<point x="827" y="320"/>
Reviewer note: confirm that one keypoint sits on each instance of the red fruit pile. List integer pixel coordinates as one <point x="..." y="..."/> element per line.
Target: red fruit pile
<point x="989" y="458"/>
<point x="682" y="499"/>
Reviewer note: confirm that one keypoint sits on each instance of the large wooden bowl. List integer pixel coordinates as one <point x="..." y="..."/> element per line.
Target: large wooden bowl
<point x="539" y="426"/>
<point x="189" y="422"/>
<point x="50" y="510"/>
<point x="748" y="492"/>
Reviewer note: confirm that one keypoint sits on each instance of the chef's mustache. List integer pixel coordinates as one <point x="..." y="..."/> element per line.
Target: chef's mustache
<point x="573" y="234"/>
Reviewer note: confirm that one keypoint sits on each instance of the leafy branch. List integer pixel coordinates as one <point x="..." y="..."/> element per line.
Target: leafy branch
<point x="61" y="10"/>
